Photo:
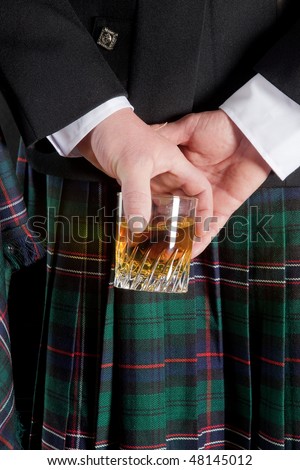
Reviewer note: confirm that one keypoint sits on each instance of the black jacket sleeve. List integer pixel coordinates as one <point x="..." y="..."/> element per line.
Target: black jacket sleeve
<point x="50" y="66"/>
<point x="281" y="65"/>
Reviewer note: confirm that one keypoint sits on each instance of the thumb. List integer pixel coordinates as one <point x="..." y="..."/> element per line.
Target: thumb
<point x="136" y="198"/>
<point x="177" y="132"/>
<point x="173" y="131"/>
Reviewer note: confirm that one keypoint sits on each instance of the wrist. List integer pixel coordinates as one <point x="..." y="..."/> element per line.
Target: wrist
<point x="88" y="145"/>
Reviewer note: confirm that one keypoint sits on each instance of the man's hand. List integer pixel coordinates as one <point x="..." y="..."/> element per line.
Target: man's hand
<point x="215" y="145"/>
<point x="141" y="160"/>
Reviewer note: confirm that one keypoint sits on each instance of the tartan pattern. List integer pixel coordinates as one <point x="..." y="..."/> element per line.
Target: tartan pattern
<point x="216" y="368"/>
<point x="17" y="249"/>
<point x="9" y="424"/>
<point x="21" y="247"/>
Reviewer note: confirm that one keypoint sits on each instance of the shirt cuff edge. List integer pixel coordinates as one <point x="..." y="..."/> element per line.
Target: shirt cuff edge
<point x="279" y="172"/>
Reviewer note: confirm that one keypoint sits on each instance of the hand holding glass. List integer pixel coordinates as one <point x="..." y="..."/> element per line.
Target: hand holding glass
<point x="158" y="258"/>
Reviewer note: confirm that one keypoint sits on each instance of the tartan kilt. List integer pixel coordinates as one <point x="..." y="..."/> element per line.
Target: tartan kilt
<point x="17" y="251"/>
<point x="216" y="368"/>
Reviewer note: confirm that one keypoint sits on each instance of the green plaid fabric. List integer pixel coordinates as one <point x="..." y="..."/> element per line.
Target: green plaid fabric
<point x="216" y="368"/>
<point x="17" y="249"/>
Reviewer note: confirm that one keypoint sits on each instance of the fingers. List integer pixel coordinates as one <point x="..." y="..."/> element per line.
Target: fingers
<point x="159" y="165"/>
<point x="231" y="192"/>
<point x="138" y="154"/>
<point x="136" y="195"/>
<point x="177" y="132"/>
<point x="183" y="179"/>
<point x="194" y="183"/>
<point x="211" y="228"/>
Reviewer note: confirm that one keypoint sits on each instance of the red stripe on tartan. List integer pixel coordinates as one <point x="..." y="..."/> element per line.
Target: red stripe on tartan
<point x="292" y="359"/>
<point x="22" y="159"/>
<point x="181" y="360"/>
<point x="71" y="354"/>
<point x="216" y="283"/>
<point x="5" y="442"/>
<point x="271" y="438"/>
<point x="98" y="443"/>
<point x="141" y="366"/>
<point x="68" y="274"/>
<point x="244" y="361"/>
<point x="46" y="447"/>
<point x="270" y="361"/>
<point x="224" y="427"/>
<point x="181" y="435"/>
<point x="13" y="212"/>
<point x="210" y="354"/>
<point x="213" y="446"/>
<point x="264" y="263"/>
<point x="217" y="445"/>
<point x="29" y="235"/>
<point x="8" y="199"/>
<point x="3" y="312"/>
<point x="79" y="354"/>
<point x="109" y="364"/>
<point x="258" y="263"/>
<point x="269" y="284"/>
<point x="221" y="263"/>
<point x="213" y="426"/>
<point x="158" y="446"/>
<point x="75" y="253"/>
<point x="50" y="428"/>
<point x="79" y="432"/>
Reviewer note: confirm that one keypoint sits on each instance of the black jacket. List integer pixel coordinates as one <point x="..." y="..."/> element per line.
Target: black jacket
<point x="171" y="56"/>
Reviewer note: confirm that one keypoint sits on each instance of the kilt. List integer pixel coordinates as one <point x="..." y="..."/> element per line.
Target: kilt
<point x="216" y="368"/>
<point x="17" y="250"/>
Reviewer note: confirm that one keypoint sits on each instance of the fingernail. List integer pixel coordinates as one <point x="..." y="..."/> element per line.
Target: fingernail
<point x="161" y="126"/>
<point x="136" y="223"/>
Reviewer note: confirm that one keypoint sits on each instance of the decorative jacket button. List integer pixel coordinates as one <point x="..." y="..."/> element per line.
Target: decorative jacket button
<point x="107" y="39"/>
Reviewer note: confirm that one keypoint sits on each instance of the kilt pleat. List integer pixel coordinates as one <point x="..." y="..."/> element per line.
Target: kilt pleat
<point x="268" y="301"/>
<point x="18" y="249"/>
<point x="10" y="427"/>
<point x="216" y="368"/>
<point x="221" y="279"/>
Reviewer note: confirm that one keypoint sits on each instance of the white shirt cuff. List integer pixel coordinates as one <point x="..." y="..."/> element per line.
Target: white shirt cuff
<point x="270" y="120"/>
<point x="65" y="140"/>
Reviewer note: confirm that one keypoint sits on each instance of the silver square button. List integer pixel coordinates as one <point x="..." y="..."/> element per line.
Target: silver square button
<point x="107" y="39"/>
